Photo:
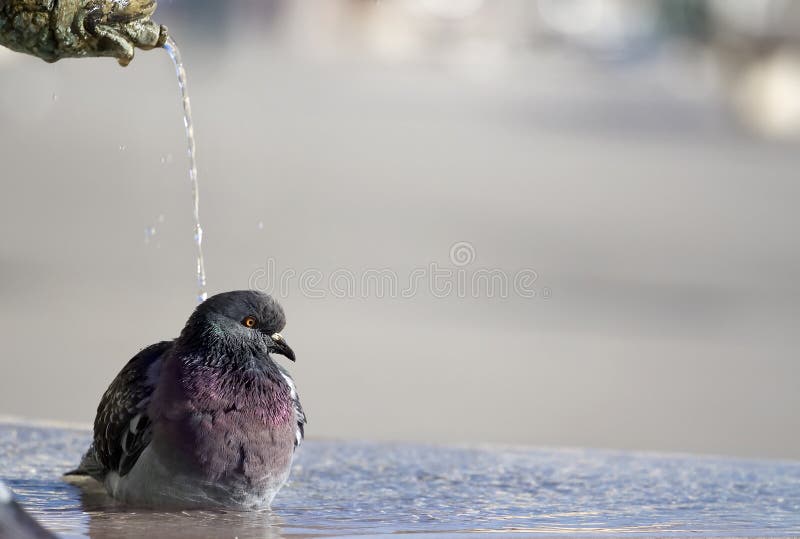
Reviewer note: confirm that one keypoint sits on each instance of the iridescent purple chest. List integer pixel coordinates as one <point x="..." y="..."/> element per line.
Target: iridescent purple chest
<point x="237" y="426"/>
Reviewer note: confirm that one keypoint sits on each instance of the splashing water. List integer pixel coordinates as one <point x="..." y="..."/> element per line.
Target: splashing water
<point x="175" y="54"/>
<point x="149" y="232"/>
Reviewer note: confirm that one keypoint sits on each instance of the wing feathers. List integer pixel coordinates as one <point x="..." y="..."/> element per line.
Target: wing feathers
<point x="298" y="408"/>
<point x="122" y="428"/>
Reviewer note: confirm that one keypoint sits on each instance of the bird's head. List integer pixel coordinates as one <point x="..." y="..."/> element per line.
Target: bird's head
<point x="240" y="318"/>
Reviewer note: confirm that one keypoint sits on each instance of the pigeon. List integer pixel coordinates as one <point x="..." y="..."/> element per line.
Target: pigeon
<point x="15" y="523"/>
<point x="207" y="420"/>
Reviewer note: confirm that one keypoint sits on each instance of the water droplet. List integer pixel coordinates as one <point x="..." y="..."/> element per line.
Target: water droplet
<point x="149" y="232"/>
<point x="55" y="97"/>
<point x="260" y="225"/>
<point x="166" y="159"/>
<point x="122" y="147"/>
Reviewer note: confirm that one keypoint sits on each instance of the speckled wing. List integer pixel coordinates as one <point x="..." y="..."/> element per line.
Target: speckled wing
<point x="301" y="421"/>
<point x="298" y="408"/>
<point x="122" y="428"/>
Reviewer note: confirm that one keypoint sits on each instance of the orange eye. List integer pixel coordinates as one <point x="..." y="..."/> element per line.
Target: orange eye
<point x="249" y="322"/>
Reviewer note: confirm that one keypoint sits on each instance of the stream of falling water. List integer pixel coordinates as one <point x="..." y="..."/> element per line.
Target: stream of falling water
<point x="175" y="54"/>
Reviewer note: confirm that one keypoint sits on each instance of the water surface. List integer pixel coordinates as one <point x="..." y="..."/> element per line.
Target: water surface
<point x="362" y="489"/>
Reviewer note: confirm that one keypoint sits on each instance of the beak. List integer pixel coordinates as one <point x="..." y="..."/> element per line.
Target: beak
<point x="279" y="346"/>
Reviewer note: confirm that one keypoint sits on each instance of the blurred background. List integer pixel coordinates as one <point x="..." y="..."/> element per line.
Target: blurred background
<point x="637" y="160"/>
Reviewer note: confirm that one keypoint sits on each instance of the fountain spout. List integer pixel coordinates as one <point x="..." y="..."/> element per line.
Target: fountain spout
<point x="56" y="29"/>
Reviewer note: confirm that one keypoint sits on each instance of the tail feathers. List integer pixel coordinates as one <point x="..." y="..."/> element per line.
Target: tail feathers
<point x="77" y="471"/>
<point x="90" y="466"/>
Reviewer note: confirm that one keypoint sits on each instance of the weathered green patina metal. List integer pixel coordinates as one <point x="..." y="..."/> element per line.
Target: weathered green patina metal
<point x="55" y="29"/>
